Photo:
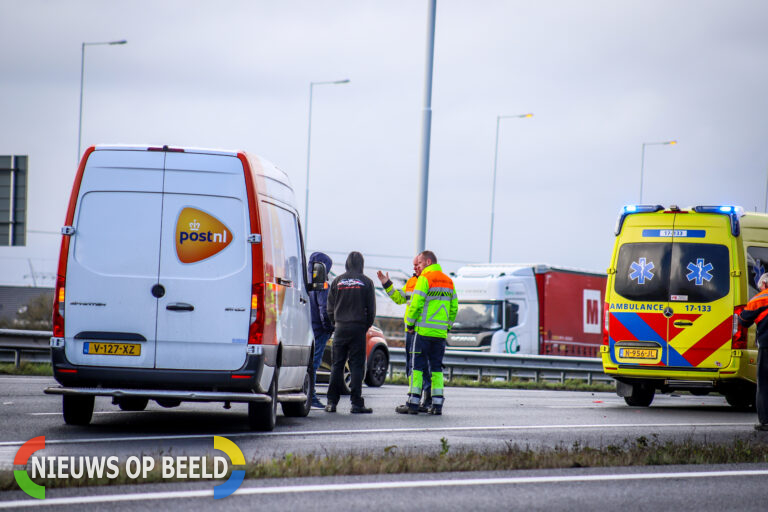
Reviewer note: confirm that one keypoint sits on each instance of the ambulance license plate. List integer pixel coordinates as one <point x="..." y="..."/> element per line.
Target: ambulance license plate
<point x="112" y="349"/>
<point x="638" y="353"/>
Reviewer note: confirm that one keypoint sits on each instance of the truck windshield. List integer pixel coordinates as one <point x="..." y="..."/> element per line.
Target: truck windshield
<point x="663" y="271"/>
<point x="478" y="316"/>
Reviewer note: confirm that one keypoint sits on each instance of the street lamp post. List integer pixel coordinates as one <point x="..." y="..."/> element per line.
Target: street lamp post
<point x="309" y="142"/>
<point x="493" y="189"/>
<point x="82" y="74"/>
<point x="642" y="160"/>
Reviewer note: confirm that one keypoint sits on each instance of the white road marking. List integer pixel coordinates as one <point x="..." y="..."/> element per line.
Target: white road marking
<point x="94" y="412"/>
<point x="414" y="430"/>
<point x="376" y="486"/>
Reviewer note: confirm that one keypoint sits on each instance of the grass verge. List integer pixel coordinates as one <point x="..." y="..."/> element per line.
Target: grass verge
<point x="26" y="368"/>
<point x="515" y="383"/>
<point x="641" y="451"/>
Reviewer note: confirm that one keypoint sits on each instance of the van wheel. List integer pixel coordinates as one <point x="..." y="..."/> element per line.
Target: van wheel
<point x="132" y="403"/>
<point x="741" y="398"/>
<point x="261" y="415"/>
<point x="300" y="409"/>
<point x="378" y="364"/>
<point x="78" y="410"/>
<point x="641" y="396"/>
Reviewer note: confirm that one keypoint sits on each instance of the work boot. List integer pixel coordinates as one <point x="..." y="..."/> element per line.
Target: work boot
<point x="425" y="407"/>
<point x="402" y="409"/>
<point x="330" y="407"/>
<point x="360" y="409"/>
<point x="762" y="427"/>
<point x="436" y="410"/>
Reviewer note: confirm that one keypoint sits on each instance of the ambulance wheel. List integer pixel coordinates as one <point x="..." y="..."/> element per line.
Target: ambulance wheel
<point x="78" y="410"/>
<point x="301" y="409"/>
<point x="641" y="396"/>
<point x="741" y="398"/>
<point x="262" y="416"/>
<point x="378" y="364"/>
<point x="132" y="403"/>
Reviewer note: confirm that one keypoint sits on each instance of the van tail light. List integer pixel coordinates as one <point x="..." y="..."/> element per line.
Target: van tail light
<point x="739" y="331"/>
<point x="256" y="329"/>
<point x="606" y="321"/>
<point x="58" y="308"/>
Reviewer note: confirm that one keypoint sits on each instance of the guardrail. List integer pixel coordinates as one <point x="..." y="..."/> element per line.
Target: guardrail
<point x="456" y="362"/>
<point x="505" y="366"/>
<point x="18" y="342"/>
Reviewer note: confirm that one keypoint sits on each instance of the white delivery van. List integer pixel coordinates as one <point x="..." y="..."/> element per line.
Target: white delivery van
<point x="181" y="278"/>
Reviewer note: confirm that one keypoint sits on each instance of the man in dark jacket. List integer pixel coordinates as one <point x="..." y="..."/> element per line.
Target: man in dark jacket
<point x="351" y="309"/>
<point x="321" y="324"/>
<point x="756" y="311"/>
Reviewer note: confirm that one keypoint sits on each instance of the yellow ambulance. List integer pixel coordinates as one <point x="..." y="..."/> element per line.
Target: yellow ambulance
<point x="677" y="281"/>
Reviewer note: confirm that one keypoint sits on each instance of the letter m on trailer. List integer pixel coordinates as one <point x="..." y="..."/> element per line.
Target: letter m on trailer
<point x="592" y="313"/>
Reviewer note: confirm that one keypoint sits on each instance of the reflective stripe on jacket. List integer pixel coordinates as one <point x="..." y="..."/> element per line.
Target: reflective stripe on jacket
<point x="434" y="304"/>
<point x="756" y="311"/>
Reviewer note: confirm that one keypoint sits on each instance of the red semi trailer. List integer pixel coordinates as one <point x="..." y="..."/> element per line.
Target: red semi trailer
<point x="528" y="309"/>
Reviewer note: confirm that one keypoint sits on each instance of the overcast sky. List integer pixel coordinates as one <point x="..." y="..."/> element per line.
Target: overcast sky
<point x="600" y="77"/>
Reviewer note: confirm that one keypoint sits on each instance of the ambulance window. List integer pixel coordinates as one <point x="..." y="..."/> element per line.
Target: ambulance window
<point x="642" y="271"/>
<point x="700" y="271"/>
<point x="757" y="264"/>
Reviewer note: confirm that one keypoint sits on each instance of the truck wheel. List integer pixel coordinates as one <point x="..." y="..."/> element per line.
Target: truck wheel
<point x="741" y="398"/>
<point x="261" y="415"/>
<point x="78" y="410"/>
<point x="378" y="364"/>
<point x="641" y="396"/>
<point x="132" y="403"/>
<point x="301" y="409"/>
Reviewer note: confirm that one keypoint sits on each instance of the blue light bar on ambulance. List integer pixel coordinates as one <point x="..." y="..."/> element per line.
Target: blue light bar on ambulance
<point x="635" y="208"/>
<point x="733" y="212"/>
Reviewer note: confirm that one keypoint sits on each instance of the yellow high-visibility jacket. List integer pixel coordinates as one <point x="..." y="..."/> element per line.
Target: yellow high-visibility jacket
<point x="434" y="304"/>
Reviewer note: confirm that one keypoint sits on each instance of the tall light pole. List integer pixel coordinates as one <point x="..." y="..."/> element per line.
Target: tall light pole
<point x="309" y="143"/>
<point x="642" y="160"/>
<point x="495" y="161"/>
<point x="82" y="74"/>
<point x="426" y="131"/>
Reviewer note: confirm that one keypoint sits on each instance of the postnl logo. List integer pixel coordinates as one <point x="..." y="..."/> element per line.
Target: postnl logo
<point x="199" y="235"/>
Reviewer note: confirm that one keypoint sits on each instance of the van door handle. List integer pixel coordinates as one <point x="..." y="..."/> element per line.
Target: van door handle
<point x="683" y="323"/>
<point x="284" y="282"/>
<point x="180" y="306"/>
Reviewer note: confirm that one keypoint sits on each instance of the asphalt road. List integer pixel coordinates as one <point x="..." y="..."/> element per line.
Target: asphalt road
<point x="473" y="418"/>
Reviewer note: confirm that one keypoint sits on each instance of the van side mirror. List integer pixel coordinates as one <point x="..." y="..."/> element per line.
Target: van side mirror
<point x="319" y="277"/>
<point x="511" y="317"/>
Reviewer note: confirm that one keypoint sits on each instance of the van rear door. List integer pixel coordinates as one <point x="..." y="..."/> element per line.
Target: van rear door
<point x="638" y="325"/>
<point x="701" y="327"/>
<point x="203" y="317"/>
<point x="112" y="262"/>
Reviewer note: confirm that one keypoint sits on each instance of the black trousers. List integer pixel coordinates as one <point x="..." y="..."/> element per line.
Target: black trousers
<point x="762" y="385"/>
<point x="348" y="345"/>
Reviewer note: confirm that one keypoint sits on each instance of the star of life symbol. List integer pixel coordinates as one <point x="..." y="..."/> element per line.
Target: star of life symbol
<point x="699" y="271"/>
<point x="641" y="270"/>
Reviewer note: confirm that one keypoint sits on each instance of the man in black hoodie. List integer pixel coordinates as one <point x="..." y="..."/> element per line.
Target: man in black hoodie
<point x="351" y="309"/>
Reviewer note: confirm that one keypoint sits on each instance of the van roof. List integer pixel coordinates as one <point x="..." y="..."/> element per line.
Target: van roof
<point x="265" y="167"/>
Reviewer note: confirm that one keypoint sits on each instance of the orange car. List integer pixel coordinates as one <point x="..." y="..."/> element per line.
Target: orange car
<point x="376" y="357"/>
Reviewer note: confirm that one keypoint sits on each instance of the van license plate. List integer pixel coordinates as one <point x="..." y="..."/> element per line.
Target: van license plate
<point x="112" y="349"/>
<point x="638" y="353"/>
